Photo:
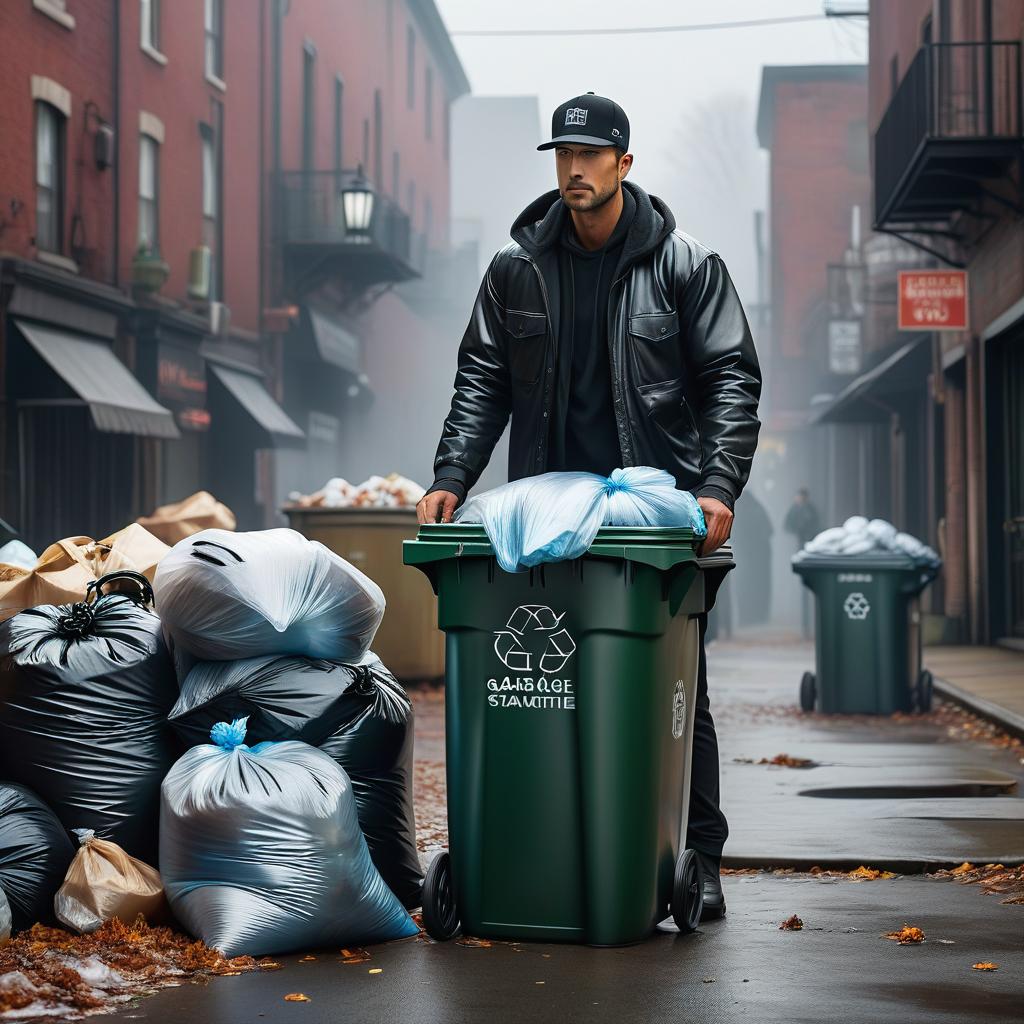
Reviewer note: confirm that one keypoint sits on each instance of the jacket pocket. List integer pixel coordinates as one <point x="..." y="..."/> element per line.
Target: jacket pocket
<point x="654" y="342"/>
<point x="666" y="406"/>
<point x="527" y="340"/>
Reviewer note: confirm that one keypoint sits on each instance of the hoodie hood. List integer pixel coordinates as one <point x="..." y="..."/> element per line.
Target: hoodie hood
<point x="540" y="225"/>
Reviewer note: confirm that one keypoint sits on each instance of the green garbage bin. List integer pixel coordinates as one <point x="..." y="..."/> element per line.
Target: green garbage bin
<point x="569" y="718"/>
<point x="867" y="636"/>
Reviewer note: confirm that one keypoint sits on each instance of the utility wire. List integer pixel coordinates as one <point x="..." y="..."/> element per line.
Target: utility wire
<point x="634" y="30"/>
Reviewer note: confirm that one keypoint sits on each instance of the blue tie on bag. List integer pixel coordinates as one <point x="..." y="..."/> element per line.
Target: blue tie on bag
<point x="555" y="517"/>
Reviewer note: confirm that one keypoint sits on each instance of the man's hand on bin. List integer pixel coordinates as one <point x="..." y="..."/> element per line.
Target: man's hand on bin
<point x="719" y="519"/>
<point x="437" y="507"/>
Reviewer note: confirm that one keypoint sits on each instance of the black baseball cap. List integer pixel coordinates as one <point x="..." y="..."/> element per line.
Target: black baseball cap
<point x="590" y="120"/>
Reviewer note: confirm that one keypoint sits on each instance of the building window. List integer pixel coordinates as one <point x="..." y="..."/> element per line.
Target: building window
<point x="339" y="97"/>
<point x="410" y="68"/>
<point x="396" y="168"/>
<point x="378" y="139"/>
<point x="149" y="21"/>
<point x="149" y="194"/>
<point x="428" y="101"/>
<point x="49" y="178"/>
<point x="213" y="26"/>
<point x="213" y="198"/>
<point x="308" y="107"/>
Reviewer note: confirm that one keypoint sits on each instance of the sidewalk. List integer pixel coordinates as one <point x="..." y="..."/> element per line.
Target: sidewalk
<point x="988" y="680"/>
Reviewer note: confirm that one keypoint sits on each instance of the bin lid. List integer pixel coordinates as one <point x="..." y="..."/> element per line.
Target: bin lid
<point x="876" y="561"/>
<point x="659" y="546"/>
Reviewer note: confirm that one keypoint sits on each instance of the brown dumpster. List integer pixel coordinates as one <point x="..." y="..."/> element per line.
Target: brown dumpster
<point x="408" y="641"/>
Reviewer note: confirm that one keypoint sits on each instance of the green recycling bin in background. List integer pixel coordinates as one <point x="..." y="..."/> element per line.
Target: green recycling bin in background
<point x="569" y="710"/>
<point x="867" y="635"/>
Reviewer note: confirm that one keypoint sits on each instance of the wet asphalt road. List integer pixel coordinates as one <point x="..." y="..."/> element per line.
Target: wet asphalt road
<point x="915" y="793"/>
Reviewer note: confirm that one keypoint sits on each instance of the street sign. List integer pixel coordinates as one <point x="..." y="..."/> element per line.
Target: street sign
<point x="844" y="346"/>
<point x="932" y="300"/>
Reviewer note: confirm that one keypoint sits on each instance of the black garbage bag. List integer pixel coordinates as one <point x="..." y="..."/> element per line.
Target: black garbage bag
<point x="35" y="853"/>
<point x="358" y="714"/>
<point x="84" y="695"/>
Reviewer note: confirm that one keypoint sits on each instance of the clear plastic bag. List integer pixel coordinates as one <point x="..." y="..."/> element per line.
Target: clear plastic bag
<point x="358" y="714"/>
<point x="224" y="596"/>
<point x="555" y="517"/>
<point x="261" y="852"/>
<point x="102" y="883"/>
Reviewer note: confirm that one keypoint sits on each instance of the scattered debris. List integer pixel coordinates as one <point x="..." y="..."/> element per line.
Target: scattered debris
<point x="308" y="958"/>
<point x="469" y="940"/>
<point x="788" y="761"/>
<point x="994" y="879"/>
<point x="865" y="874"/>
<point x="375" y="970"/>
<point x="986" y="965"/>
<point x="354" y="956"/>
<point x="296" y="997"/>
<point x="791" y="924"/>
<point x="908" y="935"/>
<point x="708" y="981"/>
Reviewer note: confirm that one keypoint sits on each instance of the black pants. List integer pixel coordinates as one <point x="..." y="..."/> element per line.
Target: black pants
<point x="707" y="829"/>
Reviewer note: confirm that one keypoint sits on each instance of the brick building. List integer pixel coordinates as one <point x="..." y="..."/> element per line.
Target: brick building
<point x="186" y="288"/>
<point x="945" y="114"/>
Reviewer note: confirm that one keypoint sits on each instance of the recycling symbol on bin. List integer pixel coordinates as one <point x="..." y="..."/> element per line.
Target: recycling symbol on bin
<point x="856" y="606"/>
<point x="533" y="639"/>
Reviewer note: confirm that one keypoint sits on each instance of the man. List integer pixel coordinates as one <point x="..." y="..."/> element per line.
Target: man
<point x="612" y="339"/>
<point x="802" y="520"/>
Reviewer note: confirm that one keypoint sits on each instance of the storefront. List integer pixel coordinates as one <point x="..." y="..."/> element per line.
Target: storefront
<point x="79" y="428"/>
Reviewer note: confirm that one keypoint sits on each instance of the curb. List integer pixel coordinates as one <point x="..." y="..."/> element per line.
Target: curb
<point x="900" y="865"/>
<point x="1008" y="720"/>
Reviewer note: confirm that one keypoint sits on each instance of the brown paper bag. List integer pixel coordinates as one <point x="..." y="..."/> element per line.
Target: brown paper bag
<point x="103" y="882"/>
<point x="65" y="569"/>
<point x="200" y="511"/>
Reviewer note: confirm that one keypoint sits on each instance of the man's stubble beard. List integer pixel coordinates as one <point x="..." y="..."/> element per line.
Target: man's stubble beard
<point x="594" y="202"/>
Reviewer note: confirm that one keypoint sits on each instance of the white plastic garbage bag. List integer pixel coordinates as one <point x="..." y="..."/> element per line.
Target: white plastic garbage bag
<point x="223" y="596"/>
<point x="860" y="536"/>
<point x="261" y="852"/>
<point x="555" y="517"/>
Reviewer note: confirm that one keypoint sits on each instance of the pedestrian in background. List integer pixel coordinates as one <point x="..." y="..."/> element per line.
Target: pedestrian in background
<point x="802" y="520"/>
<point x="612" y="339"/>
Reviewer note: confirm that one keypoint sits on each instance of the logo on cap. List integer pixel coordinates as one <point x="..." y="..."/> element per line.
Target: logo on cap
<point x="576" y="115"/>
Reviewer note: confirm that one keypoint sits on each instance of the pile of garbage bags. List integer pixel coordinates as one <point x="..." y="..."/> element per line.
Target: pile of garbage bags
<point x="391" y="491"/>
<point x="555" y="516"/>
<point x="181" y="519"/>
<point x="300" y="832"/>
<point x="861" y="536"/>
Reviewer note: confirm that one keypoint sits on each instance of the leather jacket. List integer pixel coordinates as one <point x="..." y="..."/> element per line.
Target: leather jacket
<point x="685" y="376"/>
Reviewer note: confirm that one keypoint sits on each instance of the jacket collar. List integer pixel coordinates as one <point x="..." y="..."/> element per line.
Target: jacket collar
<point x="539" y="226"/>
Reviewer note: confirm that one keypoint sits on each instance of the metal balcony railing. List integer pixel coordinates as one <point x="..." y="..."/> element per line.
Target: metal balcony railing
<point x="955" y="118"/>
<point x="312" y="214"/>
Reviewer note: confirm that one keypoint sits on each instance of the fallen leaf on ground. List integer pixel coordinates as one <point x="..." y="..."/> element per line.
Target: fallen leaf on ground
<point x="987" y="965"/>
<point x="308" y="958"/>
<point x="469" y="940"/>
<point x="906" y="936"/>
<point x="788" y="761"/>
<point x="963" y="869"/>
<point x="791" y="924"/>
<point x="354" y="956"/>
<point x="864" y="874"/>
<point x="266" y="964"/>
<point x="228" y="974"/>
<point x="375" y="970"/>
<point x="296" y="997"/>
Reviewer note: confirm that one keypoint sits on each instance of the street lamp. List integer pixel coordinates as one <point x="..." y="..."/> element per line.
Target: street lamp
<point x="357" y="204"/>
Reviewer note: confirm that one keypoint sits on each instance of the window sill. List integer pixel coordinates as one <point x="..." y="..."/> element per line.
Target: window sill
<point x="54" y="11"/>
<point x="153" y="54"/>
<point x="217" y="83"/>
<point x="54" y="259"/>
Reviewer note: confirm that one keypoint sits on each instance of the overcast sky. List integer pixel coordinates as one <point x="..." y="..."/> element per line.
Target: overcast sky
<point x="678" y="89"/>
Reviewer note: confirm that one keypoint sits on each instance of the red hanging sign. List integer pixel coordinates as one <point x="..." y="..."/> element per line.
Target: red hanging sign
<point x="932" y="300"/>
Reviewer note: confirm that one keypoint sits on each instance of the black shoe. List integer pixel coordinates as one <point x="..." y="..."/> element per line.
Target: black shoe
<point x="714" y="898"/>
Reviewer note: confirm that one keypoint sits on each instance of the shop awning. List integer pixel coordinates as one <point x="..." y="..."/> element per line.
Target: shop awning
<point x="118" y="403"/>
<point x="871" y="397"/>
<point x="327" y="340"/>
<point x="247" y="389"/>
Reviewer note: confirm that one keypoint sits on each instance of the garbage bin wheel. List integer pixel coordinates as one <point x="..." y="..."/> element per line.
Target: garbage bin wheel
<point x="440" y="915"/>
<point x="808" y="692"/>
<point x="687" y="892"/>
<point x="924" y="691"/>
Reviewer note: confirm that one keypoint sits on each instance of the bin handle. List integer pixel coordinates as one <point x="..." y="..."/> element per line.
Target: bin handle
<point x="145" y="596"/>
